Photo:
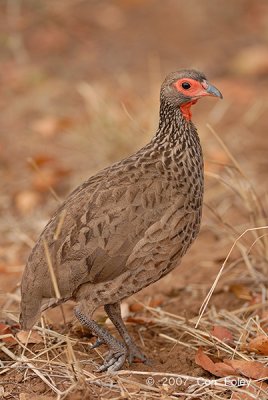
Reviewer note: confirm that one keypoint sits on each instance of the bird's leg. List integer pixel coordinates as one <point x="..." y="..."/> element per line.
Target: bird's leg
<point x="114" y="313"/>
<point x="118" y="352"/>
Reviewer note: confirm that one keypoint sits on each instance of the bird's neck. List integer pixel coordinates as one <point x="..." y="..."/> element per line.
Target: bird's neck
<point x="178" y="146"/>
<point x="175" y="131"/>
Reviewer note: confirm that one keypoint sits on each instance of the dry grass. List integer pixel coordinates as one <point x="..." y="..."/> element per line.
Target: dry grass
<point x="64" y="365"/>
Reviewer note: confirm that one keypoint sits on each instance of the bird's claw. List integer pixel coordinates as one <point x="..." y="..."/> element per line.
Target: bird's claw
<point x="135" y="355"/>
<point x="114" y="361"/>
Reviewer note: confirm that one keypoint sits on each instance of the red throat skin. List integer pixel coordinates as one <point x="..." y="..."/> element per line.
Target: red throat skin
<point x="186" y="109"/>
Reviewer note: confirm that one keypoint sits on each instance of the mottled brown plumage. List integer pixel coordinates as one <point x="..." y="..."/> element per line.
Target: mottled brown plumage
<point x="127" y="226"/>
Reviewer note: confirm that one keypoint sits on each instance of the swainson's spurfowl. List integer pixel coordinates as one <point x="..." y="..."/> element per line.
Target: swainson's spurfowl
<point x="125" y="227"/>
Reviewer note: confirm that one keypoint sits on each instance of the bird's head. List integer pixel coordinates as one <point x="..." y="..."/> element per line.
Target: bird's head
<point x="185" y="87"/>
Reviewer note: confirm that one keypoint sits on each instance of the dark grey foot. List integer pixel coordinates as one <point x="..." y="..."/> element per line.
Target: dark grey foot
<point x="118" y="352"/>
<point x="115" y="360"/>
<point x="135" y="354"/>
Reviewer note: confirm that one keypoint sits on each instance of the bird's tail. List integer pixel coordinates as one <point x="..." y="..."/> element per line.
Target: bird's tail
<point x="31" y="299"/>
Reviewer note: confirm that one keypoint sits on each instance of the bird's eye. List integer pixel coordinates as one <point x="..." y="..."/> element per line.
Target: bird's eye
<point x="186" y="85"/>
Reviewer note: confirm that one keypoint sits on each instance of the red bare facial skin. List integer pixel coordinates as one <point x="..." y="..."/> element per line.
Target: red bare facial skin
<point x="196" y="90"/>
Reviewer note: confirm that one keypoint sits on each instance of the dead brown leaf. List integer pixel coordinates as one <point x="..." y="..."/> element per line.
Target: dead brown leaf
<point x="219" y="369"/>
<point x="250" y="369"/>
<point x="6" y="330"/>
<point x="157" y="301"/>
<point x="24" y="337"/>
<point x="49" y="177"/>
<point x="259" y="344"/>
<point x="222" y="334"/>
<point x="136" y="307"/>
<point x="204" y="361"/>
<point x="42" y="159"/>
<point x="241" y="292"/>
<point x="44" y="180"/>
<point x="139" y="321"/>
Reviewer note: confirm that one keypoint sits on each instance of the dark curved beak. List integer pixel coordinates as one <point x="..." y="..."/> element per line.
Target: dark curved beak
<point x="213" y="91"/>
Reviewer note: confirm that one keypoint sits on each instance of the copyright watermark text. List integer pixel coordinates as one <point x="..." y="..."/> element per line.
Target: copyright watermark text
<point x="184" y="380"/>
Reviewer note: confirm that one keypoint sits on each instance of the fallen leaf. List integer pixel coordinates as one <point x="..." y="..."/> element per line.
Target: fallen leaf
<point x="44" y="180"/>
<point x="219" y="369"/>
<point x="49" y="177"/>
<point x="6" y="330"/>
<point x="204" y="361"/>
<point x="24" y="337"/>
<point x="222" y="334"/>
<point x="156" y="301"/>
<point x="250" y="369"/>
<point x="42" y="159"/>
<point x="136" y="307"/>
<point x="139" y="321"/>
<point x="259" y="344"/>
<point x="241" y="292"/>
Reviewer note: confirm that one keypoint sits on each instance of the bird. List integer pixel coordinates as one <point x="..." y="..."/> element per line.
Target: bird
<point x="125" y="227"/>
